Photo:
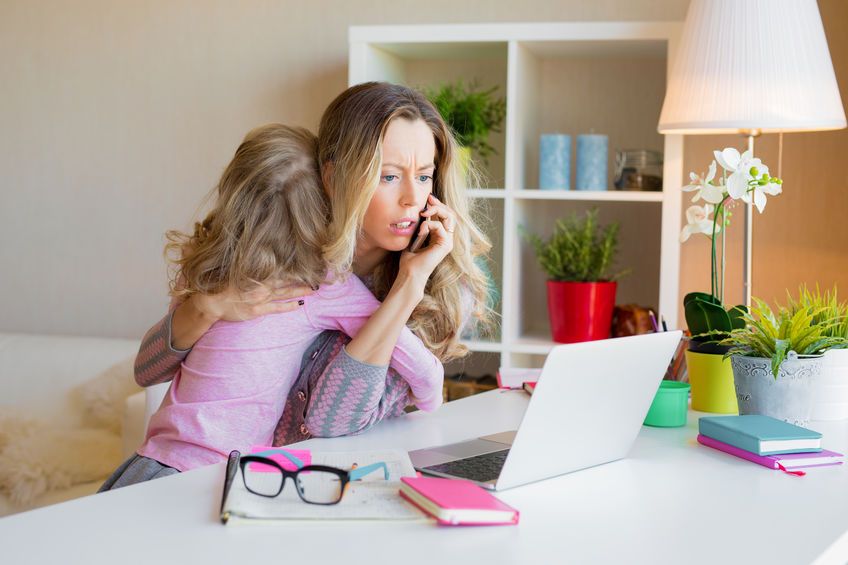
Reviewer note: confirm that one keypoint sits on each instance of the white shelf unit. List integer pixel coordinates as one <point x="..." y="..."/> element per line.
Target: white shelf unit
<point x="570" y="77"/>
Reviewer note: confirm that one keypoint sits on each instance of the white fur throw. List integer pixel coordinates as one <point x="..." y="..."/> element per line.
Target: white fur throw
<point x="102" y="398"/>
<point x="38" y="455"/>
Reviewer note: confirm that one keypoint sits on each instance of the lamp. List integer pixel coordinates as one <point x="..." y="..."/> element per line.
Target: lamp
<point x="751" y="67"/>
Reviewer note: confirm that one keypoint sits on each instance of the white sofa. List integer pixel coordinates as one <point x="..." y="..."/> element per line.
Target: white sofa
<point x="39" y="371"/>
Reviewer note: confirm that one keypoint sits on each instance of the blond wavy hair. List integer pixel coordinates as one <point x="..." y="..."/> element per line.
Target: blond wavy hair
<point x="268" y="222"/>
<point x="350" y="139"/>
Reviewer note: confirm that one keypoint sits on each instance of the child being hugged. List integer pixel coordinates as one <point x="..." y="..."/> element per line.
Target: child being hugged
<point x="268" y="227"/>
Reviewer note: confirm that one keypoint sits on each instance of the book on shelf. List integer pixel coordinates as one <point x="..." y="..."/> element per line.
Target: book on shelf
<point x="758" y="434"/>
<point x="513" y="377"/>
<point x="371" y="498"/>
<point x="784" y="461"/>
<point x="456" y="502"/>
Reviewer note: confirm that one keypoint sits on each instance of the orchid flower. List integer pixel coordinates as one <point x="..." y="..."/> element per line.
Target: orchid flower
<point x="749" y="179"/>
<point x="760" y="191"/>
<point x="699" y="221"/>
<point x="745" y="178"/>
<point x="704" y="187"/>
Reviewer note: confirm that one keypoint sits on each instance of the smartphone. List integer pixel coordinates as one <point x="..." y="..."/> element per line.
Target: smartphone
<point x="419" y="240"/>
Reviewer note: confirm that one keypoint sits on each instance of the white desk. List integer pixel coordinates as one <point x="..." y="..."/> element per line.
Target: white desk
<point x="671" y="501"/>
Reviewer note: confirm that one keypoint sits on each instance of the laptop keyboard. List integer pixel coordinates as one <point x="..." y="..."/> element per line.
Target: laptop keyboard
<point x="480" y="468"/>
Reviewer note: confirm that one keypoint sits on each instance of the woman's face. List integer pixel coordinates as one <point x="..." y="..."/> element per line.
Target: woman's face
<point x="406" y="179"/>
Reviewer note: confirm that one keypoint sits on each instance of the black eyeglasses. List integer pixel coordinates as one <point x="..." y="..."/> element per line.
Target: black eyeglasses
<point x="315" y="484"/>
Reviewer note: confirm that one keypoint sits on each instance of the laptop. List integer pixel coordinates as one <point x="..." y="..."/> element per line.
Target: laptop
<point x="586" y="410"/>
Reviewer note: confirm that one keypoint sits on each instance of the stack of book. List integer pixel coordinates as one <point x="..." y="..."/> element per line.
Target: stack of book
<point x="766" y="441"/>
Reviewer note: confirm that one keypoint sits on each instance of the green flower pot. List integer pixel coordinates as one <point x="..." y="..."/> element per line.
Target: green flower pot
<point x="668" y="410"/>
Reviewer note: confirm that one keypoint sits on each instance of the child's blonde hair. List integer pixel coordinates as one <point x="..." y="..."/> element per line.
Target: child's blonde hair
<point x="350" y="139"/>
<point x="268" y="223"/>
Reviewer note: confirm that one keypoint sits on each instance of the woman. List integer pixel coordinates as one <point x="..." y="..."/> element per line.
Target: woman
<point x="383" y="149"/>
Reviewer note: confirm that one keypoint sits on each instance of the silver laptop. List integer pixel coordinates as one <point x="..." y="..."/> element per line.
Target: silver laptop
<point x="587" y="409"/>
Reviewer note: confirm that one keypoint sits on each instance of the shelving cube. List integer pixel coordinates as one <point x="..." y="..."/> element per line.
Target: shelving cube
<point x="569" y="77"/>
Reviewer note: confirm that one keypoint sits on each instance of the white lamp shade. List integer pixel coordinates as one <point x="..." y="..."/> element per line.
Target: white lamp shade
<point x="752" y="65"/>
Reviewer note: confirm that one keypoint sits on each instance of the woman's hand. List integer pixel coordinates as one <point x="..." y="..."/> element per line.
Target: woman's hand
<point x="195" y="315"/>
<point x="377" y="338"/>
<point x="232" y="305"/>
<point x="439" y="222"/>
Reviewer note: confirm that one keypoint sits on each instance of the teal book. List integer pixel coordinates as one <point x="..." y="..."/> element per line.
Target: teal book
<point x="762" y="435"/>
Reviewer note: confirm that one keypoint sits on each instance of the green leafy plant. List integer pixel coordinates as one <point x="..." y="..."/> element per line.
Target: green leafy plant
<point x="829" y="306"/>
<point x="470" y="112"/>
<point x="805" y="326"/>
<point x="579" y="250"/>
<point x="708" y="320"/>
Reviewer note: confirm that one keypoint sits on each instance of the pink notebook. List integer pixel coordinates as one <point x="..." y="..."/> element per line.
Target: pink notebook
<point x="788" y="461"/>
<point x="456" y="502"/>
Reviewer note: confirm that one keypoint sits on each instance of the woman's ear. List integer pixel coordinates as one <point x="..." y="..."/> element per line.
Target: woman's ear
<point x="327" y="178"/>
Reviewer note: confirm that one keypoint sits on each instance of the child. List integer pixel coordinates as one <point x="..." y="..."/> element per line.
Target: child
<point x="268" y="224"/>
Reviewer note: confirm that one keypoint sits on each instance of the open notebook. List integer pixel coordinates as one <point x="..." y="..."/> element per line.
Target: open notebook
<point x="371" y="498"/>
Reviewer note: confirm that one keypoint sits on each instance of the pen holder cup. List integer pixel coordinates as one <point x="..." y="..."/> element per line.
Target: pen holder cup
<point x="668" y="410"/>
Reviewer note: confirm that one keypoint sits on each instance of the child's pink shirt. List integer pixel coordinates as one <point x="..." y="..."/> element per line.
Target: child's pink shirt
<point x="231" y="389"/>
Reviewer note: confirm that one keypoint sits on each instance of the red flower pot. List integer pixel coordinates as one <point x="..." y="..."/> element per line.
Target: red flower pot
<point x="580" y="311"/>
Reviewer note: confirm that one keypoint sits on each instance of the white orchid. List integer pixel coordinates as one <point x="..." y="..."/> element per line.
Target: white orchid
<point x="699" y="221"/>
<point x="744" y="178"/>
<point x="759" y="194"/>
<point x="704" y="187"/>
<point x="749" y="179"/>
<point x="728" y="158"/>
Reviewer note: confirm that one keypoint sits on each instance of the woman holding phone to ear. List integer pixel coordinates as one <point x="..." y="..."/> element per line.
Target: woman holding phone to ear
<point x="390" y="171"/>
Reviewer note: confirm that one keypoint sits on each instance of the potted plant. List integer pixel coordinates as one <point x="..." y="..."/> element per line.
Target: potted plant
<point x="831" y="398"/>
<point x="743" y="178"/>
<point x="778" y="357"/>
<point x="581" y="291"/>
<point x="471" y="113"/>
<point x="710" y="373"/>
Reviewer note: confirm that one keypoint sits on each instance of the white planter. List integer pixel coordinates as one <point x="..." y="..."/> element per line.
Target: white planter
<point x="831" y="402"/>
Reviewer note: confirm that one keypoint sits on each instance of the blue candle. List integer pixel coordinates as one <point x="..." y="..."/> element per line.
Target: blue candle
<point x="592" y="162"/>
<point x="555" y="162"/>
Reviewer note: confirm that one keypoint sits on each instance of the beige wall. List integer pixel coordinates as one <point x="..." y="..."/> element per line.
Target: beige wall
<point x="117" y="117"/>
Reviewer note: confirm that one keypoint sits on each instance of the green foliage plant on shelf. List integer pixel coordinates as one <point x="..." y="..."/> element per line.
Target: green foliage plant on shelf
<point x="805" y="327"/>
<point x="579" y="250"/>
<point x="471" y="113"/>
<point x="744" y="178"/>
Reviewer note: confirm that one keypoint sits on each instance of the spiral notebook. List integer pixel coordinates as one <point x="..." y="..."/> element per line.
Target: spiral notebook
<point x="372" y="498"/>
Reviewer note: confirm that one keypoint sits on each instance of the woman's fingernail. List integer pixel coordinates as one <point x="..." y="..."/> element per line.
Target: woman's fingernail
<point x="301" y="302"/>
